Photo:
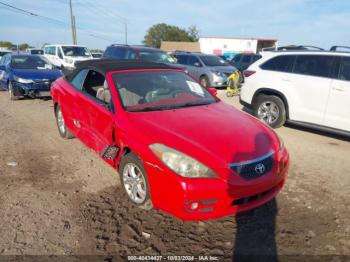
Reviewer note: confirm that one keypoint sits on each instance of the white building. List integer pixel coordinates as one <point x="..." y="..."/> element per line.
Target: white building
<point x="229" y="46"/>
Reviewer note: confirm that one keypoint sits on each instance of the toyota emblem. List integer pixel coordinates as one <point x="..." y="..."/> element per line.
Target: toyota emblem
<point x="260" y="168"/>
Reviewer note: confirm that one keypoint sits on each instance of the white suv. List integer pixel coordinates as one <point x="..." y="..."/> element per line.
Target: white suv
<point x="310" y="88"/>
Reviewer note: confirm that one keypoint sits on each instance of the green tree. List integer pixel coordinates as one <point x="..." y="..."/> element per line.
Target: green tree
<point x="164" y="32"/>
<point x="193" y="33"/>
<point x="5" y="44"/>
<point x="23" y="46"/>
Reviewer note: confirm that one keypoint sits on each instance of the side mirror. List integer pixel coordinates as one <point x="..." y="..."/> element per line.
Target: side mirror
<point x="2" y="67"/>
<point x="212" y="91"/>
<point x="196" y="64"/>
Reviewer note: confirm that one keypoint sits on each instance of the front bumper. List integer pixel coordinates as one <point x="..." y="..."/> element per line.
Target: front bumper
<point x="35" y="90"/>
<point x="218" y="81"/>
<point x="204" y="198"/>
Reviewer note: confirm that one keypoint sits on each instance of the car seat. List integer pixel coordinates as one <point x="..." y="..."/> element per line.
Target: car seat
<point x="103" y="93"/>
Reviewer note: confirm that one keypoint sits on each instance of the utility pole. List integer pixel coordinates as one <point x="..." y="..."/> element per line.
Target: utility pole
<point x="75" y="31"/>
<point x="126" y="33"/>
<point x="72" y="21"/>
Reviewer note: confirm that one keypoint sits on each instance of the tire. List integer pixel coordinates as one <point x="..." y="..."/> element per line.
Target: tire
<point x="138" y="181"/>
<point x="61" y="125"/>
<point x="204" y="81"/>
<point x="13" y="97"/>
<point x="271" y="110"/>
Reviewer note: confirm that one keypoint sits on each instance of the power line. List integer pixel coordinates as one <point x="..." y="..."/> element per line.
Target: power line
<point x="52" y="20"/>
<point x="31" y="13"/>
<point x="89" y="5"/>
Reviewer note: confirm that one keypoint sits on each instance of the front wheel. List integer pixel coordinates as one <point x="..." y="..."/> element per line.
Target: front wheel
<point x="135" y="181"/>
<point x="62" y="128"/>
<point x="13" y="97"/>
<point x="271" y="110"/>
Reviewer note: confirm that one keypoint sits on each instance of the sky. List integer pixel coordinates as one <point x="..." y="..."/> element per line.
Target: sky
<point x="99" y="23"/>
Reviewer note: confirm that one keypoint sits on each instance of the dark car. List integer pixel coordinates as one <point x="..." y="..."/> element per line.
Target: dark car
<point x="27" y="75"/>
<point x="136" y="52"/>
<point x="243" y="61"/>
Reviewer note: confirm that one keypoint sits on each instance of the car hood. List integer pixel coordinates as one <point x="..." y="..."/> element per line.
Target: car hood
<point x="216" y="134"/>
<point x="224" y="69"/>
<point x="38" y="74"/>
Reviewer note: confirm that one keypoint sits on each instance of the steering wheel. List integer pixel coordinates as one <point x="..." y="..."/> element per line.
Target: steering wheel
<point x="155" y="95"/>
<point x="176" y="92"/>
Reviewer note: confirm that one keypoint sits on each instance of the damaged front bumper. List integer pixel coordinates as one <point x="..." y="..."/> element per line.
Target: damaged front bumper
<point x="34" y="90"/>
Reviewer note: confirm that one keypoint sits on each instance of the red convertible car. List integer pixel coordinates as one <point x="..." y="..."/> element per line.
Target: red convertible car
<point x="175" y="145"/>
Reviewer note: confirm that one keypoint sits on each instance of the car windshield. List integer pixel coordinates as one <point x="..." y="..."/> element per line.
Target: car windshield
<point x="156" y="56"/>
<point x="37" y="52"/>
<point x="212" y="60"/>
<point x="2" y="53"/>
<point x="160" y="90"/>
<point x="75" y="51"/>
<point x="96" y="55"/>
<point x="30" y="62"/>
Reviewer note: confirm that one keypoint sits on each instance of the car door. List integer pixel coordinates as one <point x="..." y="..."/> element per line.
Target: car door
<point x="311" y="83"/>
<point x="95" y="118"/>
<point x="338" y="106"/>
<point x="195" y="67"/>
<point x="69" y="102"/>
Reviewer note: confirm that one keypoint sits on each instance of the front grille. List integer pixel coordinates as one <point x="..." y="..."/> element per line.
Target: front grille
<point x="246" y="200"/>
<point x="254" y="168"/>
<point x="42" y="84"/>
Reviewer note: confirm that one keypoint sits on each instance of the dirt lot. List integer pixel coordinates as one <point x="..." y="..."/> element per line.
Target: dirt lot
<point x="57" y="197"/>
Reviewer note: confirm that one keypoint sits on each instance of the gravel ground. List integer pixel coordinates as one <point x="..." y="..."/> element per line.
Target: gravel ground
<point x="58" y="198"/>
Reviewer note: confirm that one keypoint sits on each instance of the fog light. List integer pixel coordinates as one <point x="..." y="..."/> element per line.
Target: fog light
<point x="194" y="205"/>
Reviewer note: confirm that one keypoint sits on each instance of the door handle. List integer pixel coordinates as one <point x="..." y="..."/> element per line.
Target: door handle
<point x="285" y="80"/>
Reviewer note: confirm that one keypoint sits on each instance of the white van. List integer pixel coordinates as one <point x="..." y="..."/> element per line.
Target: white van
<point x="66" y="56"/>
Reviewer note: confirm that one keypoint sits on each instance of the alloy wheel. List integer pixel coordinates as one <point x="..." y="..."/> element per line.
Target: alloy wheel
<point x="268" y="112"/>
<point x="134" y="183"/>
<point x="60" y="121"/>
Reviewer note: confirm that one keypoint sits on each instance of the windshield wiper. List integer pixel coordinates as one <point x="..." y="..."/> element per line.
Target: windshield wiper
<point x="152" y="108"/>
<point x="194" y="104"/>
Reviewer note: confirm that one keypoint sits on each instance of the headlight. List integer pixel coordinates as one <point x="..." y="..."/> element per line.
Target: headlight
<point x="23" y="80"/>
<point x="68" y="60"/>
<point x="218" y="73"/>
<point x="180" y="163"/>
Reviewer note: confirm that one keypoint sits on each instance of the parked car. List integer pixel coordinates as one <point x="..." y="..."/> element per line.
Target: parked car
<point x="4" y="52"/>
<point x="27" y="75"/>
<point x="170" y="139"/>
<point x="137" y="52"/>
<point x="209" y="70"/>
<point x="243" y="61"/>
<point x="66" y="56"/>
<point x="309" y="88"/>
<point x="35" y="51"/>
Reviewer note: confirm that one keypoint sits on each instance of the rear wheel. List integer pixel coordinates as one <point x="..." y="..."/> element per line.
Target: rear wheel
<point x="13" y="97"/>
<point x="62" y="128"/>
<point x="135" y="181"/>
<point x="271" y="110"/>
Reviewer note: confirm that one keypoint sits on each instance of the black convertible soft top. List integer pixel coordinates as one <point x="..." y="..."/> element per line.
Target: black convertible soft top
<point x="106" y="65"/>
